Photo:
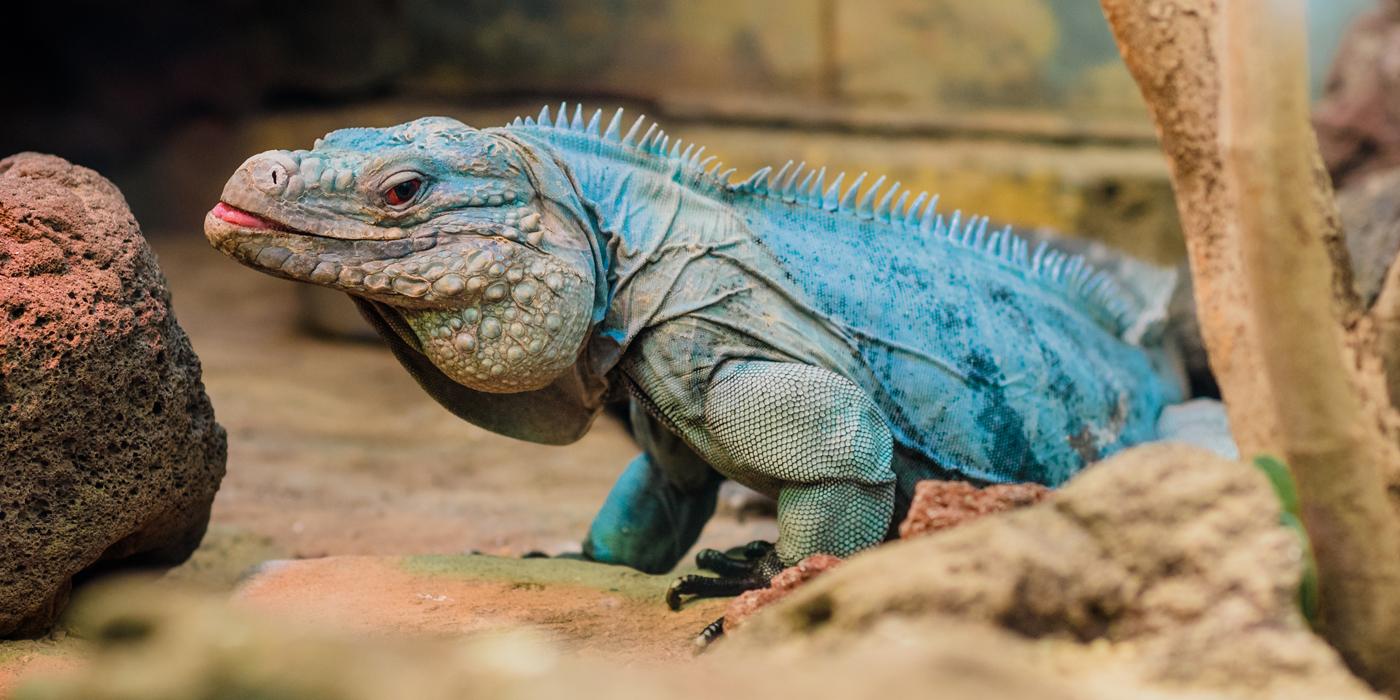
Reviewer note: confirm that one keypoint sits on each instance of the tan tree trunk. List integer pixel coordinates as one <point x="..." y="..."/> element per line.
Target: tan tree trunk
<point x="1384" y="319"/>
<point x="1226" y="84"/>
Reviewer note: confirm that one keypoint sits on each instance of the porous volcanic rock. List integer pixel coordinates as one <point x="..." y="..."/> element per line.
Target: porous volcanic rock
<point x="749" y="602"/>
<point x="939" y="505"/>
<point x="108" y="445"/>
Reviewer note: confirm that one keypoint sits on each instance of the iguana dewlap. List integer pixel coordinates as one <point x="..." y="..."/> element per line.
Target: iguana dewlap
<point x="821" y="340"/>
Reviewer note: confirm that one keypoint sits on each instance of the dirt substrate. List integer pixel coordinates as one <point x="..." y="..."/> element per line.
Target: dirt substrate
<point x="335" y="451"/>
<point x="1162" y="573"/>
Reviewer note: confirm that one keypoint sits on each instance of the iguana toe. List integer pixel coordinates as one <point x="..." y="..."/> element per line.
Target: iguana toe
<point x="739" y="569"/>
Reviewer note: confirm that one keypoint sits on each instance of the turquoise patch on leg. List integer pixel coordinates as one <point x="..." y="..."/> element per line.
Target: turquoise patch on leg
<point x="647" y="522"/>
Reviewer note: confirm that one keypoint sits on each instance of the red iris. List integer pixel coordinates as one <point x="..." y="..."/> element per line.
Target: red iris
<point x="403" y="192"/>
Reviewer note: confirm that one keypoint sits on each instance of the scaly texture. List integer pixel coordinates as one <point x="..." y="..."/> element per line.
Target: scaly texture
<point x="826" y="343"/>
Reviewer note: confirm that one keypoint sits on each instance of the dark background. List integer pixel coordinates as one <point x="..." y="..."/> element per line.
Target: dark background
<point x="1016" y="108"/>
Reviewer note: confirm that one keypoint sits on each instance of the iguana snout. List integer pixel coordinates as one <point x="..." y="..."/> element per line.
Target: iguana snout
<point x="437" y="221"/>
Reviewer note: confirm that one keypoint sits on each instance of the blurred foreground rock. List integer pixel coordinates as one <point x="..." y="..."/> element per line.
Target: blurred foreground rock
<point x="110" y="452"/>
<point x="1162" y="573"/>
<point x="1163" y="567"/>
<point x="748" y="603"/>
<point x="152" y="643"/>
<point x="938" y="505"/>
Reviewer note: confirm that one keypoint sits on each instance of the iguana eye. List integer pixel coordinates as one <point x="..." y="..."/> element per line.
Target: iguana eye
<point x="400" y="193"/>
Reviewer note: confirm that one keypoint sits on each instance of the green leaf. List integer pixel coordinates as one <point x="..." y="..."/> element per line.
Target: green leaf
<point x="1282" y="480"/>
<point x="1307" y="587"/>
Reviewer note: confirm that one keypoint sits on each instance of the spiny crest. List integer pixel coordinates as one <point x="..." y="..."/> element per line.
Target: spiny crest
<point x="800" y="184"/>
<point x="642" y="136"/>
<point x="890" y="205"/>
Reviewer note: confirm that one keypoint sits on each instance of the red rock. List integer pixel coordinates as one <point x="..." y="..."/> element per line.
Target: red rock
<point x="750" y="602"/>
<point x="108" y="442"/>
<point x="939" y="505"/>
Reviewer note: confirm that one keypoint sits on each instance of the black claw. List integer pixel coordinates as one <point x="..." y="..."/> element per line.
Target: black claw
<point x="709" y="635"/>
<point x="722" y="563"/>
<point x="708" y="587"/>
<point x="758" y="549"/>
<point x="739" y="569"/>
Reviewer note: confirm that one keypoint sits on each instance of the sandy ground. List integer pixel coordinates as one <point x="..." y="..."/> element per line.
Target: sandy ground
<point x="335" y="452"/>
<point x="587" y="609"/>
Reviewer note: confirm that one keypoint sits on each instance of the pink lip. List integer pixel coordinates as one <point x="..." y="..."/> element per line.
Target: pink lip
<point x="238" y="217"/>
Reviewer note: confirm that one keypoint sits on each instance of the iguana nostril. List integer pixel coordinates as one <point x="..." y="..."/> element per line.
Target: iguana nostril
<point x="269" y="176"/>
<point x="272" y="172"/>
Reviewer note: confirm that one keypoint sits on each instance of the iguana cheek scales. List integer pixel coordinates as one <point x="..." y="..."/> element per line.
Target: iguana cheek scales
<point x="823" y="341"/>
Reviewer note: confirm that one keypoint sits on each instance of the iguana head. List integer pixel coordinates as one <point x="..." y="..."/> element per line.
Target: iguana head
<point x="466" y="238"/>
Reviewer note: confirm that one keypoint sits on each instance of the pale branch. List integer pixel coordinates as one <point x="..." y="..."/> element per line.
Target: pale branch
<point x="1225" y="83"/>
<point x="1385" y="319"/>
<point x="1170" y="49"/>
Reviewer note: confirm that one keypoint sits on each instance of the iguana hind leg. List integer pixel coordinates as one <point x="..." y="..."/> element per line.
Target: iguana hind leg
<point x="816" y="440"/>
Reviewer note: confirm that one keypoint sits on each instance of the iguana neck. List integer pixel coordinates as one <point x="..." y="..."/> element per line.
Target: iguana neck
<point x="641" y="204"/>
<point x="652" y="216"/>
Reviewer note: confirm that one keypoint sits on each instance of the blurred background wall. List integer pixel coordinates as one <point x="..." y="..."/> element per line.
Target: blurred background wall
<point x="1019" y="109"/>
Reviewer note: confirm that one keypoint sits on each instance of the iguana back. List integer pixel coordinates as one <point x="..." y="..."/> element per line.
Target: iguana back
<point x="989" y="359"/>
<point x="997" y="363"/>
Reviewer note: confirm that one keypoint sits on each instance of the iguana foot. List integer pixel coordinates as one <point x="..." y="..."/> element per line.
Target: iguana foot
<point x="740" y="569"/>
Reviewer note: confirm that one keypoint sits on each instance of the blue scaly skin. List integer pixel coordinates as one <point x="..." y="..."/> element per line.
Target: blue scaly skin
<point x="827" y="344"/>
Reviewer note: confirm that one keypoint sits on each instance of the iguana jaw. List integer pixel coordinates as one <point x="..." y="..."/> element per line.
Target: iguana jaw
<point x="356" y="267"/>
<point x="420" y="267"/>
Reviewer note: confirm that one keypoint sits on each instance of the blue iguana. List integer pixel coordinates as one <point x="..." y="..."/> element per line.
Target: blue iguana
<point x="822" y="341"/>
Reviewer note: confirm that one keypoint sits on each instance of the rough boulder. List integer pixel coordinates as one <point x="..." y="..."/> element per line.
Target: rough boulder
<point x="108" y="445"/>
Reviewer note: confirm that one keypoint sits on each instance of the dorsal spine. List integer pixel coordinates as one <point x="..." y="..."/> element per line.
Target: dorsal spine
<point x="1096" y="291"/>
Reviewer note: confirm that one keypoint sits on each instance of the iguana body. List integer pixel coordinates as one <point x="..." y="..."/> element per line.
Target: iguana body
<point x="822" y="344"/>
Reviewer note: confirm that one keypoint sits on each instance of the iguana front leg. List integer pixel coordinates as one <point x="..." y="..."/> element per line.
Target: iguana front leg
<point x="657" y="508"/>
<point x="814" y="439"/>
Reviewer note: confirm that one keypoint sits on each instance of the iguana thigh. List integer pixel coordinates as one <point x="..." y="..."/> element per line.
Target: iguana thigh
<point x="813" y="439"/>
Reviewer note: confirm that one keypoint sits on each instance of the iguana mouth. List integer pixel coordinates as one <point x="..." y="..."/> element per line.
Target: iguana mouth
<point x="244" y="219"/>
